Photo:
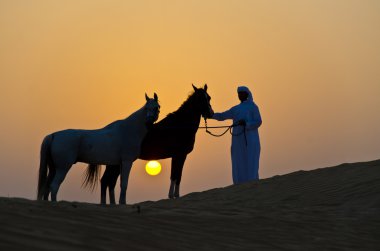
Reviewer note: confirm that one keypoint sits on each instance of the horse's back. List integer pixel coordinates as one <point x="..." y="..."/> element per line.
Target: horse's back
<point x="164" y="141"/>
<point x="65" y="145"/>
<point x="108" y="145"/>
<point x="68" y="136"/>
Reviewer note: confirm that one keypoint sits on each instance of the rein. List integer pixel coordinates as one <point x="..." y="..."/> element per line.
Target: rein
<point x="229" y="128"/>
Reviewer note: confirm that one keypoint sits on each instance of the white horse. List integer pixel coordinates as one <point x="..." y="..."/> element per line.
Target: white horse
<point x="116" y="144"/>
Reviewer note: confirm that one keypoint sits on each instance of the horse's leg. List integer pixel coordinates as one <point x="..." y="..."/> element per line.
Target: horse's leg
<point x="176" y="173"/>
<point x="112" y="196"/>
<point x="109" y="180"/>
<point x="48" y="182"/>
<point x="114" y="174"/>
<point x="103" y="186"/>
<point x="125" y="170"/>
<point x="60" y="174"/>
<point x="171" y="189"/>
<point x="181" y="163"/>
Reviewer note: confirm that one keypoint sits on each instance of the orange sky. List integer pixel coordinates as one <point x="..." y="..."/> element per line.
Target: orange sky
<point x="313" y="67"/>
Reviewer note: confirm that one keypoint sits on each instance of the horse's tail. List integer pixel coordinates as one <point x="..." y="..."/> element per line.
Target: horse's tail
<point x="45" y="161"/>
<point x="91" y="176"/>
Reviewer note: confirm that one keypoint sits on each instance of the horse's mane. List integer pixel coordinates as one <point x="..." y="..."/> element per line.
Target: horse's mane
<point x="122" y="120"/>
<point x="181" y="113"/>
<point x="184" y="105"/>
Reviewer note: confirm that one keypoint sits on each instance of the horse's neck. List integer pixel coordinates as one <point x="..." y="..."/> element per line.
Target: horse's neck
<point x="136" y="116"/>
<point x="188" y="114"/>
<point x="135" y="121"/>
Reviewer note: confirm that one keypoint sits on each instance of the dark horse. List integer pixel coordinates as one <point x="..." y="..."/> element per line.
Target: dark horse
<point x="173" y="137"/>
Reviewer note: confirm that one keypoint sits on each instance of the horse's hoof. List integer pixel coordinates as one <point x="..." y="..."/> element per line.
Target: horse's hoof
<point x="171" y="196"/>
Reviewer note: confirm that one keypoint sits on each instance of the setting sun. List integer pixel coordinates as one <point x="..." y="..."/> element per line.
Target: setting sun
<point x="153" y="168"/>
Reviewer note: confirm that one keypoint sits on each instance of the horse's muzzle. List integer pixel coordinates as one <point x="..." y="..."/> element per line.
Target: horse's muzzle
<point x="149" y="122"/>
<point x="149" y="125"/>
<point x="208" y="114"/>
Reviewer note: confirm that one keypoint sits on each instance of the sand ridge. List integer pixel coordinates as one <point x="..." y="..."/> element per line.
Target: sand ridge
<point x="329" y="208"/>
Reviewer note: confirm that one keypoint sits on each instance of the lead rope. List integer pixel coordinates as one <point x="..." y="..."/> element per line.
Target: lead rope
<point x="218" y="135"/>
<point x="229" y="128"/>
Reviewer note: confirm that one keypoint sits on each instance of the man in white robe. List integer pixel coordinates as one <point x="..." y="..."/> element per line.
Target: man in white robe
<point x="245" y="148"/>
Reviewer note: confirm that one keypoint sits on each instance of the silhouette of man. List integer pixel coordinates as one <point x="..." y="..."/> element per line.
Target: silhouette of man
<point x="245" y="148"/>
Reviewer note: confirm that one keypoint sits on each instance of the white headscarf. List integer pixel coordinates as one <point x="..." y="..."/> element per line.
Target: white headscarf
<point x="246" y="89"/>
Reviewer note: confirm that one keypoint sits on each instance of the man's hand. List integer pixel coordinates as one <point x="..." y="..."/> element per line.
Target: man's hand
<point x="242" y="122"/>
<point x="212" y="112"/>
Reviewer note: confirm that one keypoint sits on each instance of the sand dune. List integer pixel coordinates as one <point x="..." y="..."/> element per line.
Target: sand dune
<point x="336" y="208"/>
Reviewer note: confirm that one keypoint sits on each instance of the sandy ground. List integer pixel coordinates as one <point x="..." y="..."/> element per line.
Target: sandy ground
<point x="336" y="208"/>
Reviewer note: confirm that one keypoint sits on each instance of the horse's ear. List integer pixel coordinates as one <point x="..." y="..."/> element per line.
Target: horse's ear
<point x="205" y="88"/>
<point x="195" y="88"/>
<point x="146" y="97"/>
<point x="155" y="97"/>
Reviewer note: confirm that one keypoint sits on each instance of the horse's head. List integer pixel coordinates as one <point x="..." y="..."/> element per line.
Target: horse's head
<point x="152" y="109"/>
<point x="203" y="101"/>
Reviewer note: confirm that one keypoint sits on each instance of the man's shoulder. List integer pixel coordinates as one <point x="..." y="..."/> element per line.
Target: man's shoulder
<point x="236" y="107"/>
<point x="248" y="106"/>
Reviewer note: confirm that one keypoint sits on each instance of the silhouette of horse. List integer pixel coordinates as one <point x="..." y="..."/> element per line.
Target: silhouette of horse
<point x="118" y="143"/>
<point x="173" y="137"/>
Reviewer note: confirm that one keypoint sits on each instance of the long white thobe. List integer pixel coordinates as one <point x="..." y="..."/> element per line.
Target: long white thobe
<point x="245" y="148"/>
